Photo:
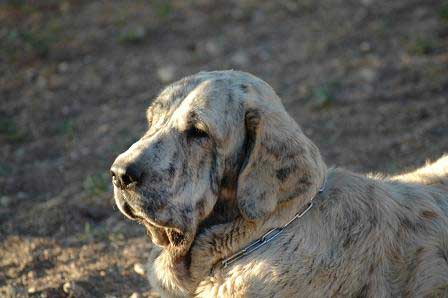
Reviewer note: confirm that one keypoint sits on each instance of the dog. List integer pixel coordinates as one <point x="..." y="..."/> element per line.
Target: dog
<point x="240" y="203"/>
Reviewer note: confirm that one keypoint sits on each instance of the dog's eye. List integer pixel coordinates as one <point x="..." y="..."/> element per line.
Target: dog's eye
<point x="196" y="133"/>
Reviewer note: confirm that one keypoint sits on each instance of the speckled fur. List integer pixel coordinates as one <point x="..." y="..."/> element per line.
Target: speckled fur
<point x="366" y="236"/>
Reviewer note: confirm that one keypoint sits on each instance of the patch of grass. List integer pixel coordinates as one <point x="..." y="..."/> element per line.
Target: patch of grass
<point x="382" y="26"/>
<point x="323" y="96"/>
<point x="163" y="9"/>
<point x="388" y="22"/>
<point x="93" y="232"/>
<point x="443" y="12"/>
<point x="10" y="44"/>
<point x="87" y="228"/>
<point x="9" y="129"/>
<point x="40" y="42"/>
<point x="301" y="6"/>
<point x="132" y="36"/>
<point x="31" y="41"/>
<point x="5" y="169"/>
<point x="27" y="7"/>
<point x="37" y="39"/>
<point x="66" y="128"/>
<point x="115" y="237"/>
<point x="423" y="47"/>
<point x="96" y="184"/>
<point x="18" y="4"/>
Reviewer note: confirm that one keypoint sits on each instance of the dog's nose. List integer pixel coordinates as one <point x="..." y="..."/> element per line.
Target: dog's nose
<point x="125" y="174"/>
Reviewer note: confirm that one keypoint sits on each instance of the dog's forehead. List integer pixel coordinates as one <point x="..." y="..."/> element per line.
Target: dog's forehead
<point x="210" y="94"/>
<point x="196" y="91"/>
<point x="204" y="93"/>
<point x="218" y="98"/>
<point x="214" y="81"/>
<point x="208" y="102"/>
<point x="173" y="94"/>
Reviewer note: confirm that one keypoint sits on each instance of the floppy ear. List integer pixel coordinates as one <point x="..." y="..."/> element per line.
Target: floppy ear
<point x="280" y="164"/>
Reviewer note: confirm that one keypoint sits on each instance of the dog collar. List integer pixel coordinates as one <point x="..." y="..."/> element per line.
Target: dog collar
<point x="269" y="235"/>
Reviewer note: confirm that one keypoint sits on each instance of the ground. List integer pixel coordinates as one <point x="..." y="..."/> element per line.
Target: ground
<point x="366" y="79"/>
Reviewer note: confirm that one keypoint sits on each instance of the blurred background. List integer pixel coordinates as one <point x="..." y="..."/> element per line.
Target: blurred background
<point x="366" y="79"/>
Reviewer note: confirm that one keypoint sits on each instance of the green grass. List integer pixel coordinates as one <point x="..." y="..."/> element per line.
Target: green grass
<point x="5" y="170"/>
<point x="96" y="184"/>
<point x="17" y="4"/>
<point x="132" y="36"/>
<point x="37" y="37"/>
<point x="66" y="128"/>
<point x="423" y="47"/>
<point x="443" y="12"/>
<point x="93" y="232"/>
<point x="9" y="129"/>
<point x="163" y="9"/>
<point x="323" y="96"/>
<point x="38" y="42"/>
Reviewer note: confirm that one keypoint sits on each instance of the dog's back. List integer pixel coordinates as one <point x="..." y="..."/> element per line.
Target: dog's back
<point x="423" y="263"/>
<point x="434" y="174"/>
<point x="403" y="223"/>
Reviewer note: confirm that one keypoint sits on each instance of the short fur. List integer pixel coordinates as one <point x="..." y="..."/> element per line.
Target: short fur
<point x="223" y="162"/>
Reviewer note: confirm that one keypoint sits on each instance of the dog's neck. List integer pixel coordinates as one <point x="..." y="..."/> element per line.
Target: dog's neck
<point x="215" y="244"/>
<point x="223" y="240"/>
<point x="222" y="234"/>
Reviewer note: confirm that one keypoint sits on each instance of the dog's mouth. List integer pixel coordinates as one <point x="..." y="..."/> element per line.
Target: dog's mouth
<point x="175" y="239"/>
<point x="165" y="237"/>
<point x="161" y="234"/>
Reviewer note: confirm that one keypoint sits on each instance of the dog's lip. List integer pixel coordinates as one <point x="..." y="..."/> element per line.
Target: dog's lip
<point x="163" y="232"/>
<point x="164" y="237"/>
<point x="137" y="214"/>
<point x="125" y="208"/>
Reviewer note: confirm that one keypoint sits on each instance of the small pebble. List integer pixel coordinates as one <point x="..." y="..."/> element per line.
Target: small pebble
<point x="74" y="289"/>
<point x="41" y="82"/>
<point x="212" y="48"/>
<point x="135" y="295"/>
<point x="63" y="67"/>
<point x="240" y="58"/>
<point x="22" y="195"/>
<point x="365" y="46"/>
<point x="166" y="73"/>
<point x="367" y="74"/>
<point x="66" y="287"/>
<point x="32" y="290"/>
<point x="31" y="274"/>
<point x="5" y="201"/>
<point x="139" y="269"/>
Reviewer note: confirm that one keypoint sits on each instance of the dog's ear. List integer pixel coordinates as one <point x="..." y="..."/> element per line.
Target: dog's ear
<point x="280" y="163"/>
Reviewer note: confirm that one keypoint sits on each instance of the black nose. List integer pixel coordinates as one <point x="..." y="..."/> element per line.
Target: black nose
<point x="125" y="174"/>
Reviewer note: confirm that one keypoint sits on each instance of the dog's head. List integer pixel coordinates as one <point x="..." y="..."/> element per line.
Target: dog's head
<point x="213" y="137"/>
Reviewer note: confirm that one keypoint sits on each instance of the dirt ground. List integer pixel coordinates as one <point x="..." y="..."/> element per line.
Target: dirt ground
<point x="366" y="79"/>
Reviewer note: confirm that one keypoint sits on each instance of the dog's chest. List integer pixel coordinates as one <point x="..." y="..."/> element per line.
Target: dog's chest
<point x="245" y="280"/>
<point x="251" y="279"/>
<point x="272" y="275"/>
